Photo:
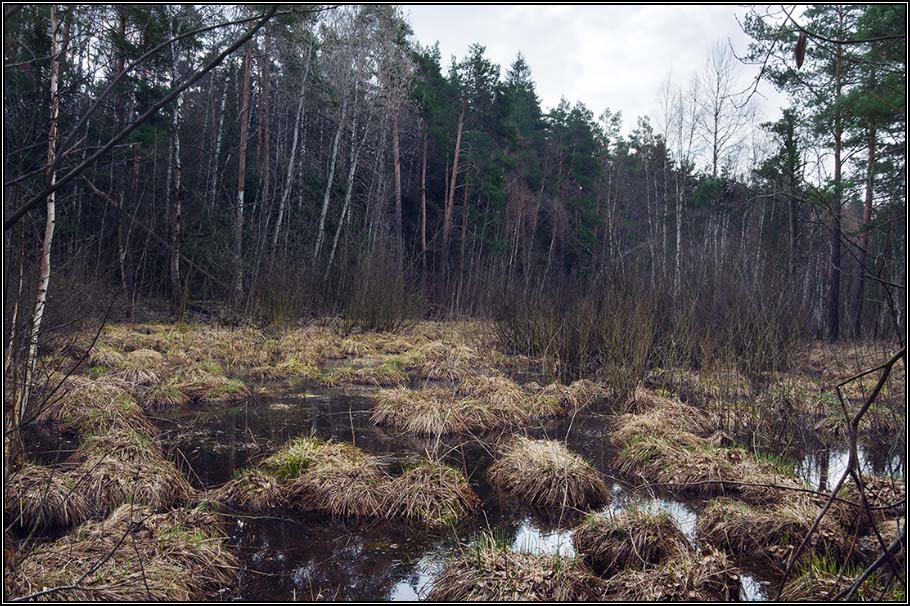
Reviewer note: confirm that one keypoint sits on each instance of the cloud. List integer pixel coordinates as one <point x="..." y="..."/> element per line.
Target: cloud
<point x="613" y="57"/>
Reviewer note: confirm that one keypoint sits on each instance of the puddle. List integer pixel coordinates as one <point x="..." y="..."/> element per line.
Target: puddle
<point x="823" y="467"/>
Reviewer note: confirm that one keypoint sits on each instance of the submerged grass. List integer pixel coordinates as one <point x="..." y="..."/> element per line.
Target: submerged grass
<point x="547" y="474"/>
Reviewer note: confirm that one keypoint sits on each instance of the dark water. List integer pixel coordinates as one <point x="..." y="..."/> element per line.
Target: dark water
<point x="306" y="556"/>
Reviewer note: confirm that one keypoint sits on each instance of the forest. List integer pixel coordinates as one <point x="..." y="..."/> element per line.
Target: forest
<point x="297" y="308"/>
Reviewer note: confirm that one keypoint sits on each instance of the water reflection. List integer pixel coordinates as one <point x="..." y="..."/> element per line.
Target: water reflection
<point x="289" y="556"/>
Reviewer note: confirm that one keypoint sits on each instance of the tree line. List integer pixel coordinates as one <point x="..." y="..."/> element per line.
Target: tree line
<point x="279" y="161"/>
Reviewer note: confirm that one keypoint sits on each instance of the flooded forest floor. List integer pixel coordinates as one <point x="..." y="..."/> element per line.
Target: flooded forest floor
<point x="199" y="462"/>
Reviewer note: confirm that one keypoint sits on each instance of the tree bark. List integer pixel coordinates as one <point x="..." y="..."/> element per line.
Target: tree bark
<point x="834" y="268"/>
<point x="320" y="236"/>
<point x="450" y="201"/>
<point x="241" y="177"/>
<point x="858" y="293"/>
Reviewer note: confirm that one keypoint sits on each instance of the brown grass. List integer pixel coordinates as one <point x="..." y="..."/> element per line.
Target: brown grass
<point x="490" y="573"/>
<point x="42" y="497"/>
<point x="545" y="473"/>
<point x="142" y="367"/>
<point x="88" y="406"/>
<point x="334" y="477"/>
<point x="655" y="415"/>
<point x="431" y="493"/>
<point x="693" y="465"/>
<point x="572" y="397"/>
<point x="128" y="467"/>
<point x="181" y="555"/>
<point x="770" y="532"/>
<point x="633" y="539"/>
<point x="251" y="490"/>
<point x="707" y="575"/>
<point x="479" y="403"/>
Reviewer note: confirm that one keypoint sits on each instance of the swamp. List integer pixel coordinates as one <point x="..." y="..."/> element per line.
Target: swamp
<point x="296" y="311"/>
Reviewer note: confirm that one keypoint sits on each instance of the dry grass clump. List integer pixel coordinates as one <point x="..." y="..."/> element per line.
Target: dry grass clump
<point x="547" y="474"/>
<point x="166" y="395"/>
<point x="291" y="366"/>
<point x="707" y="575"/>
<point x="251" y="490"/>
<point x="655" y="415"/>
<point x="632" y="539"/>
<point x="432" y="493"/>
<point x="479" y="403"/>
<point x="334" y="477"/>
<point x="102" y="355"/>
<point x="141" y="367"/>
<point x="133" y="555"/>
<point x="431" y="411"/>
<point x="444" y="361"/>
<point x="822" y="578"/>
<point x="44" y="497"/>
<point x="772" y="532"/>
<point x="696" y="466"/>
<point x="207" y="387"/>
<point x="657" y="445"/>
<point x="87" y="406"/>
<point x="488" y="572"/>
<point x="128" y="467"/>
<point x="572" y="397"/>
<point x="387" y="373"/>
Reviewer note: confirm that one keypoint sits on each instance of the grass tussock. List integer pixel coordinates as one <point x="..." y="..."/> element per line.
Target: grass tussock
<point x="333" y="477"/>
<point x="251" y="490"/>
<point x="87" y="406"/>
<point x="128" y="467"/>
<point x="44" y="497"/>
<point x="634" y="539"/>
<point x="431" y="493"/>
<point x="488" y="572"/>
<point x="707" y="575"/>
<point x="479" y="403"/>
<point x="654" y="415"/>
<point x="696" y="466"/>
<point x="204" y="387"/>
<point x="657" y="446"/>
<point x="180" y="555"/>
<point x="579" y="394"/>
<point x="770" y="532"/>
<point x="387" y="373"/>
<point x="444" y="361"/>
<point x="142" y="367"/>
<point x="822" y="578"/>
<point x="547" y="474"/>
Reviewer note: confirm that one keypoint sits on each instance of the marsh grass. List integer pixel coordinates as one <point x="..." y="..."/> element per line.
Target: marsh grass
<point x="707" y="575"/>
<point x="486" y="571"/>
<point x="251" y="490"/>
<point x="133" y="555"/>
<point x="44" y="497"/>
<point x="547" y="474"/>
<point x="432" y="493"/>
<point x="770" y="532"/>
<point x="632" y="539"/>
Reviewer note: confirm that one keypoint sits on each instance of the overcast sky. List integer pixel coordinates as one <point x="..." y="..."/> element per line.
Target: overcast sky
<point x="613" y="57"/>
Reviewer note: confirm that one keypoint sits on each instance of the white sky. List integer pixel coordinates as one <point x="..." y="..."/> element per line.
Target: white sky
<point x="613" y="57"/>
